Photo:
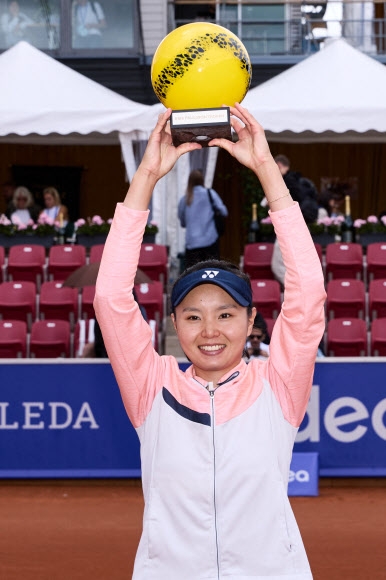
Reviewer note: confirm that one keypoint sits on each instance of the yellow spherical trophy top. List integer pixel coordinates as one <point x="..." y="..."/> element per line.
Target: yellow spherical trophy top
<point x="200" y="65"/>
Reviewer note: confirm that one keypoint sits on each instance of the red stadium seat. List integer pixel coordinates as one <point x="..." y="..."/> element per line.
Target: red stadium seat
<point x="319" y="250"/>
<point x="257" y="260"/>
<point x="266" y="297"/>
<point x="96" y="253"/>
<point x="346" y="299"/>
<point x="27" y="262"/>
<point x="18" y="301"/>
<point x="344" y="261"/>
<point x="153" y="260"/>
<point x="58" y="302"/>
<point x="377" y="299"/>
<point x="376" y="261"/>
<point x="346" y="337"/>
<point x="87" y="302"/>
<point x="50" y="339"/>
<point x="64" y="259"/>
<point x="151" y="297"/>
<point x="378" y="337"/>
<point x="2" y="264"/>
<point x="13" y="339"/>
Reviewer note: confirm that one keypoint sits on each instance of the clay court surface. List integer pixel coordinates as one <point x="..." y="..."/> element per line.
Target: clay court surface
<point x="88" y="530"/>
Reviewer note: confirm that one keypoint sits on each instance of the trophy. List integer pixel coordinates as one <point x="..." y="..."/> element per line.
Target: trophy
<point x="199" y="70"/>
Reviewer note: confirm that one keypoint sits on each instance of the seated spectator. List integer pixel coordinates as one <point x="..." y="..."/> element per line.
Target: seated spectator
<point x="89" y="22"/>
<point x="258" y="340"/>
<point x="53" y="206"/>
<point x="25" y="207"/>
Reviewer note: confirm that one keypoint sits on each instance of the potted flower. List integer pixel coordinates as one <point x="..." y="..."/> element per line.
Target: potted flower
<point x="151" y="229"/>
<point x="42" y="233"/>
<point x="324" y="231"/>
<point x="370" y="230"/>
<point x="92" y="231"/>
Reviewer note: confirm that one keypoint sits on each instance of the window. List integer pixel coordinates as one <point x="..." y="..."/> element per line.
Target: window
<point x="70" y="27"/>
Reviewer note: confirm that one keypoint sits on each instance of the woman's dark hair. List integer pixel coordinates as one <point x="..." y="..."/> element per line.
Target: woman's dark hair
<point x="217" y="265"/>
<point x="195" y="178"/>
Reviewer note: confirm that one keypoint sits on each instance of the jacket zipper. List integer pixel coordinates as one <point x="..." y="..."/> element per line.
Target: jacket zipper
<point x="211" y="391"/>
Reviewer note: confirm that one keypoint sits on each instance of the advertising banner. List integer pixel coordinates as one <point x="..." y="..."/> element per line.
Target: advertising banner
<point x="66" y="419"/>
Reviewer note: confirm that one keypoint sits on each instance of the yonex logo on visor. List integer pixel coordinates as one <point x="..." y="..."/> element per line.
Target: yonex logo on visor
<point x="235" y="286"/>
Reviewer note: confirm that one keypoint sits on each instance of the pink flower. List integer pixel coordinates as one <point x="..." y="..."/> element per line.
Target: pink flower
<point x="44" y="220"/>
<point x="4" y="221"/>
<point x="359" y="223"/>
<point x="21" y="226"/>
<point x="110" y="221"/>
<point x="326" y="221"/>
<point x="338" y="220"/>
<point x="383" y="220"/>
<point x="80" y="223"/>
<point x="266" y="220"/>
<point x="153" y="223"/>
<point x="30" y="223"/>
<point x="97" y="220"/>
<point x="372" y="219"/>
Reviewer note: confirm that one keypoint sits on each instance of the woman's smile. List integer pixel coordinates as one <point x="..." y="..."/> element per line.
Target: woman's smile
<point x="212" y="329"/>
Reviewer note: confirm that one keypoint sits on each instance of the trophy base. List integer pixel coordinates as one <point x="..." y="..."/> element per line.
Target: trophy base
<point x="200" y="125"/>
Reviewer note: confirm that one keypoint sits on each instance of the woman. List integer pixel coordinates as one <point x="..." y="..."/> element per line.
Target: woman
<point x="216" y="440"/>
<point x="26" y="211"/>
<point x="53" y="206"/>
<point x="196" y="214"/>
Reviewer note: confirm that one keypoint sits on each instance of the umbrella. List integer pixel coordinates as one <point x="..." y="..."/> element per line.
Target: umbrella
<point x="87" y="275"/>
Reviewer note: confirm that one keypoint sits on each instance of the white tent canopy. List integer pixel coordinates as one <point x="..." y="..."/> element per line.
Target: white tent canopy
<point x="337" y="94"/>
<point x="44" y="101"/>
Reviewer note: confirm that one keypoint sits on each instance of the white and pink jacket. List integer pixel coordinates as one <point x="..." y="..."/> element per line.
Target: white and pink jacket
<point x="215" y="464"/>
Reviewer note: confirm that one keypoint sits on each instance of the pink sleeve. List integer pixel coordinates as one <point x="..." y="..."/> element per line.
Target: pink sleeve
<point x="300" y="325"/>
<point x="127" y="336"/>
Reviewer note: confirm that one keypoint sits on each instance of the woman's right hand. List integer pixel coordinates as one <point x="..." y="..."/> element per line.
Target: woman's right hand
<point x="160" y="154"/>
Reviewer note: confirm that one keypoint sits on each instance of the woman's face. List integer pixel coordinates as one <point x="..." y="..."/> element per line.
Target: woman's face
<point x="49" y="200"/>
<point x="21" y="201"/>
<point x="212" y="330"/>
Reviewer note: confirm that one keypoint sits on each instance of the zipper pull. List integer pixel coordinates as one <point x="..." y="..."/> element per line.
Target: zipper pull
<point x="211" y="389"/>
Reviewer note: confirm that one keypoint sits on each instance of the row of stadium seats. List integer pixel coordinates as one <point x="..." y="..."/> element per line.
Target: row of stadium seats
<point x="339" y="261"/>
<point x="50" y="338"/>
<point x="21" y="301"/>
<point x="29" y="262"/>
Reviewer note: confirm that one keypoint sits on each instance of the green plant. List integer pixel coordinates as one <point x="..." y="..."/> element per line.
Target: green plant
<point x="92" y="226"/>
<point x="371" y="225"/>
<point x="44" y="227"/>
<point x="151" y="228"/>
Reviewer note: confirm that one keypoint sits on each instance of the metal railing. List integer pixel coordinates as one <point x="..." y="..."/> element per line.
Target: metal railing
<point x="302" y="36"/>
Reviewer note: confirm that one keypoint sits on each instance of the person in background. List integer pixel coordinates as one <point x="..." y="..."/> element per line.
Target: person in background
<point x="258" y="341"/>
<point x="15" y="24"/>
<point x="196" y="215"/>
<point x="53" y="207"/>
<point x="89" y="21"/>
<point x="25" y="207"/>
<point x="291" y="178"/>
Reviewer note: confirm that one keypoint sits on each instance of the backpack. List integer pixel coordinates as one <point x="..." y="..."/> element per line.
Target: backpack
<point x="218" y="218"/>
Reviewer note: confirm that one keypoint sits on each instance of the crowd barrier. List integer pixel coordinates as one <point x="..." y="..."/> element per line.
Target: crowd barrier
<point x="66" y="419"/>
